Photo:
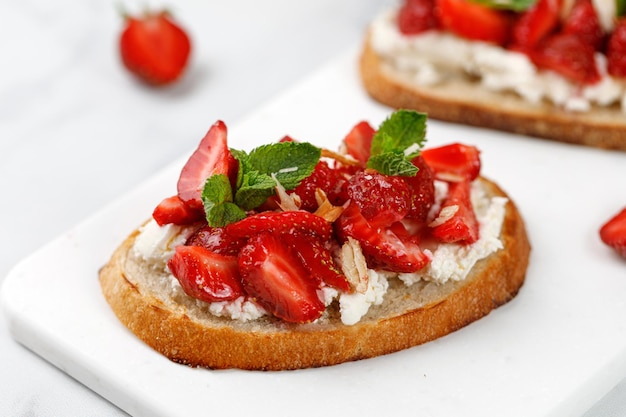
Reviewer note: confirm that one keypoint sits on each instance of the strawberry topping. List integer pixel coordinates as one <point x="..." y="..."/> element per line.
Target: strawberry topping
<point x="416" y="16"/>
<point x="284" y="222"/>
<point x="358" y="142"/>
<point x="176" y="211"/>
<point x="616" y="50"/>
<point x="456" y="221"/>
<point x="474" y="21"/>
<point x="613" y="233"/>
<point x="453" y="161"/>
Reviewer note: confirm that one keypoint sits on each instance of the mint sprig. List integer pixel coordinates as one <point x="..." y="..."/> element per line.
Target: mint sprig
<point x="260" y="171"/>
<point x="513" y="5"/>
<point x="398" y="140"/>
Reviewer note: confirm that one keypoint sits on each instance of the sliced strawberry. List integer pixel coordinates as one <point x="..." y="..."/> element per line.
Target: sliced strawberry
<point x="422" y="190"/>
<point x="173" y="210"/>
<point x="206" y="275"/>
<point x="274" y="276"/>
<point x="459" y="223"/>
<point x="454" y="160"/>
<point x="211" y="157"/>
<point x="613" y="233"/>
<point x="382" y="199"/>
<point x="417" y="16"/>
<point x="329" y="180"/>
<point x="583" y="22"/>
<point x="318" y="260"/>
<point x="358" y="142"/>
<point x="217" y="240"/>
<point x="536" y="23"/>
<point x="383" y="248"/>
<point x="277" y="222"/>
<point x="474" y="21"/>
<point x="616" y="50"/>
<point x="569" y="56"/>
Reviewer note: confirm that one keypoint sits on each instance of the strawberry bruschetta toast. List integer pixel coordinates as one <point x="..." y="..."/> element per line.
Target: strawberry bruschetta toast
<point x="290" y="256"/>
<point x="554" y="69"/>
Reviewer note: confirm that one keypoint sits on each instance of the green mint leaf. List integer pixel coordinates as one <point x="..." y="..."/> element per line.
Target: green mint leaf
<point x="217" y="197"/>
<point x="513" y="5"/>
<point x="404" y="129"/>
<point x="291" y="162"/>
<point x="244" y="166"/>
<point x="392" y="164"/>
<point x="620" y="7"/>
<point x="255" y="188"/>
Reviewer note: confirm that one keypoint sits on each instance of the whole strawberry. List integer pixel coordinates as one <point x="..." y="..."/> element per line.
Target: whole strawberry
<point x="154" y="48"/>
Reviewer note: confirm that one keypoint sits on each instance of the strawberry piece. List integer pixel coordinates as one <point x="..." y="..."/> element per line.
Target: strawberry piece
<point x="422" y="189"/>
<point x="613" y="233"/>
<point x="173" y="210"/>
<point x="417" y="16"/>
<point x="318" y="260"/>
<point x="274" y="276"/>
<point x="474" y="21"/>
<point x="536" y="23"/>
<point x="154" y="48"/>
<point x="569" y="56"/>
<point x="206" y="275"/>
<point x="462" y="226"/>
<point x="382" y="247"/>
<point x="358" y="142"/>
<point x="281" y="222"/>
<point x="381" y="199"/>
<point x="329" y="180"/>
<point x="454" y="160"/>
<point x="616" y="50"/>
<point x="583" y="22"/>
<point x="216" y="239"/>
<point x="210" y="158"/>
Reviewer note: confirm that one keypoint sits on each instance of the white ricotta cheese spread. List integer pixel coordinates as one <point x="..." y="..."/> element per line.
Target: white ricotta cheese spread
<point x="433" y="57"/>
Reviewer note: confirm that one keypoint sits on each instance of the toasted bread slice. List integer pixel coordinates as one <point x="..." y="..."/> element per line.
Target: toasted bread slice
<point x="181" y="328"/>
<point x="464" y="101"/>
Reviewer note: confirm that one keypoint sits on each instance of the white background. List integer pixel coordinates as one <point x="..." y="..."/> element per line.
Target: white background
<point x="76" y="131"/>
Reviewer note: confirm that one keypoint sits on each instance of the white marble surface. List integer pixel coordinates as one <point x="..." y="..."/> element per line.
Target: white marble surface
<point x="76" y="131"/>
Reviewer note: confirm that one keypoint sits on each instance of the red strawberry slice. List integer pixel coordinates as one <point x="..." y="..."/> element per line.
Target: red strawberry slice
<point x="274" y="276"/>
<point x="536" y="23"/>
<point x="173" y="210"/>
<point x="206" y="275"/>
<point x="474" y="21"/>
<point x="569" y="56"/>
<point x="460" y="223"/>
<point x="416" y="16"/>
<point x="358" y="142"/>
<point x="583" y="22"/>
<point x="382" y="199"/>
<point x="281" y="222"/>
<point x="382" y="247"/>
<point x="456" y="160"/>
<point x="211" y="157"/>
<point x="217" y="240"/>
<point x="422" y="190"/>
<point x="613" y="233"/>
<point x="318" y="260"/>
<point x="329" y="180"/>
<point x="616" y="50"/>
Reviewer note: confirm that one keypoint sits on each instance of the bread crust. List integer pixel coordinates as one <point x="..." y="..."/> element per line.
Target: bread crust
<point x="409" y="316"/>
<point x="467" y="102"/>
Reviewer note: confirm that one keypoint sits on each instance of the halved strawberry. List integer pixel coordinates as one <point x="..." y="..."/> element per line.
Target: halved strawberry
<point x="277" y="222"/>
<point x="173" y="210"/>
<point x="616" y="50"/>
<point x="534" y="25"/>
<point x="318" y="260"/>
<point x="358" y="142"/>
<point x="613" y="233"/>
<point x="274" y="276"/>
<point x="206" y="275"/>
<point x="382" y="247"/>
<point x="583" y="22"/>
<point x="382" y="199"/>
<point x="453" y="160"/>
<point x="216" y="239"/>
<point x="456" y="221"/>
<point x="474" y="21"/>
<point x="211" y="157"/>
<point x="416" y="16"/>
<point x="569" y="56"/>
